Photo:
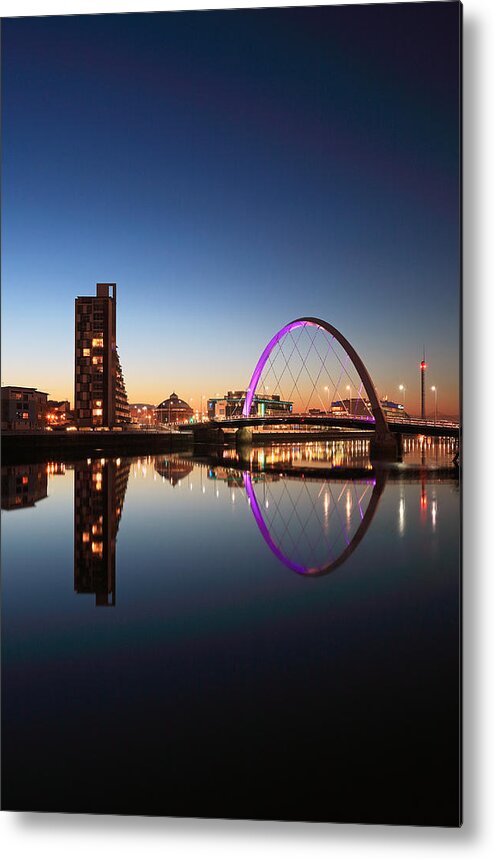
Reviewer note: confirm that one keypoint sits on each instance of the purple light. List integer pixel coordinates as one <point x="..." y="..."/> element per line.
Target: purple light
<point x="251" y="390"/>
<point x="254" y="506"/>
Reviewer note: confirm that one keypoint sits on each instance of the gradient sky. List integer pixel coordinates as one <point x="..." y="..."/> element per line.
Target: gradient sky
<point x="232" y="171"/>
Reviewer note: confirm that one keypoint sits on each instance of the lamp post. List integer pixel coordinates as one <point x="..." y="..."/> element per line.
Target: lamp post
<point x="349" y="399"/>
<point x="434" y="389"/>
<point x="326" y="388"/>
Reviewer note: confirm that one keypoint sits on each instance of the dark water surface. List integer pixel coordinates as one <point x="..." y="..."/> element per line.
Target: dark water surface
<point x="266" y="635"/>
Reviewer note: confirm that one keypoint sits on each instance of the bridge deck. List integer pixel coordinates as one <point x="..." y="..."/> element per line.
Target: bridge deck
<point x="411" y="426"/>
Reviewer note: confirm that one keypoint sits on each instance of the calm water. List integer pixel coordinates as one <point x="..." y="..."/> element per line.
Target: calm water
<point x="268" y="635"/>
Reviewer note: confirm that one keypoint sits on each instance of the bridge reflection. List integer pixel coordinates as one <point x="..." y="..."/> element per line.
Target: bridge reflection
<point x="340" y="514"/>
<point x="312" y="503"/>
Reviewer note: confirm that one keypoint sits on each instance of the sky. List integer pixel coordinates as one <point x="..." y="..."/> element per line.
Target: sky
<point x="231" y="171"/>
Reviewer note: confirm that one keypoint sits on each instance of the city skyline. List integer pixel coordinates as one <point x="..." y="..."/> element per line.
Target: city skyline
<point x="228" y="193"/>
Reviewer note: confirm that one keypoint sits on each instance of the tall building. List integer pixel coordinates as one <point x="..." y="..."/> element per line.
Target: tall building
<point x="100" y="396"/>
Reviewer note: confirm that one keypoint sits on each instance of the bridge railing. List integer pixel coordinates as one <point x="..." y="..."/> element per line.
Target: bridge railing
<point x="324" y="416"/>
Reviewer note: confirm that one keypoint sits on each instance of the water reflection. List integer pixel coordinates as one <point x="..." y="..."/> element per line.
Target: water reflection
<point x="23" y="485"/>
<point x="339" y="515"/>
<point x="99" y="492"/>
<point x="312" y="503"/>
<point x="173" y="469"/>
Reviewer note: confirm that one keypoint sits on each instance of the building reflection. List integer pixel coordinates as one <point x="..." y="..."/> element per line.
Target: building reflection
<point x="23" y="485"/>
<point x="173" y="469"/>
<point x="99" y="492"/>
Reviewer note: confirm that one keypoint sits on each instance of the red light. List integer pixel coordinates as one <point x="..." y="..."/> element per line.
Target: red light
<point x="423" y="365"/>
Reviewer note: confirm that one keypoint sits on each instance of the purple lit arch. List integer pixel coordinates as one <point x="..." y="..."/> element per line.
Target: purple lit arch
<point x="381" y="426"/>
<point x="379" y="482"/>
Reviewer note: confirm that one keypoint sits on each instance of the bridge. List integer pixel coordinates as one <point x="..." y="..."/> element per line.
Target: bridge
<point x="296" y="365"/>
<point x="406" y="426"/>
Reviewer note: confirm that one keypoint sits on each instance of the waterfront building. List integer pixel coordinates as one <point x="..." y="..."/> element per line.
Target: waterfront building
<point x="23" y="408"/>
<point x="362" y="408"/>
<point x="100" y="396"/>
<point x="173" y="410"/>
<point x="231" y="406"/>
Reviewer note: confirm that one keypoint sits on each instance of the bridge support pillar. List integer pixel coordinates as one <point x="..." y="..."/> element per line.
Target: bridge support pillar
<point x="384" y="447"/>
<point x="243" y="436"/>
<point x="204" y="434"/>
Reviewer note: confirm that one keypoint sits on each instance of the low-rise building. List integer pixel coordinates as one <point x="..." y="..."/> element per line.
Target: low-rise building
<point x="359" y="407"/>
<point x="232" y="404"/>
<point x="173" y="410"/>
<point x="23" y="408"/>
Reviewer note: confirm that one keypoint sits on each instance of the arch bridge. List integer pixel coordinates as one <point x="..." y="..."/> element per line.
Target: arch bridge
<point x="365" y="413"/>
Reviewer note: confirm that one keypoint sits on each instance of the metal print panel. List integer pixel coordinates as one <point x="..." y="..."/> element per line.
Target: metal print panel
<point x="231" y="414"/>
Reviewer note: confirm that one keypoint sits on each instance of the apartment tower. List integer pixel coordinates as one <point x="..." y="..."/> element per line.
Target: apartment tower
<point x="100" y="397"/>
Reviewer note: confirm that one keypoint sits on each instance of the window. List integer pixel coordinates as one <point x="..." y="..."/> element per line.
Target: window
<point x="97" y="359"/>
<point x="86" y="353"/>
<point x="97" y="412"/>
<point x="25" y="416"/>
<point x="97" y="342"/>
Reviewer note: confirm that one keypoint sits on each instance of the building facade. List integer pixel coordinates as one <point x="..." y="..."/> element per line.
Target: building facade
<point x="173" y="410"/>
<point x="231" y="406"/>
<point x="362" y="408"/>
<point x="23" y="408"/>
<point x="100" y="397"/>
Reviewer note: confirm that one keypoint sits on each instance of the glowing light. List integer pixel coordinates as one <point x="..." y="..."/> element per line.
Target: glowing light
<point x="401" y="517"/>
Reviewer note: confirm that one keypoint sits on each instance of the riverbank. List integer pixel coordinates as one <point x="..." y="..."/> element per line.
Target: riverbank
<point x="18" y="447"/>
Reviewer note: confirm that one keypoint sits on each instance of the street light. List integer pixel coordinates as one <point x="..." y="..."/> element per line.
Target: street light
<point x="327" y="389"/>
<point x="434" y="389"/>
<point x="403" y="391"/>
<point x="349" y="399"/>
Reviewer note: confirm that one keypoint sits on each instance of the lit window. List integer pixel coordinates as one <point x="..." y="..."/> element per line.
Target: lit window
<point x="85" y="537"/>
<point x="25" y="416"/>
<point x="97" y="412"/>
<point x="97" y="548"/>
<point x="97" y="359"/>
<point x="86" y="353"/>
<point x="98" y="403"/>
<point x="97" y="341"/>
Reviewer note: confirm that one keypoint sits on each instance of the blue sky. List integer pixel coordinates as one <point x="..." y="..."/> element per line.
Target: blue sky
<point x="232" y="171"/>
